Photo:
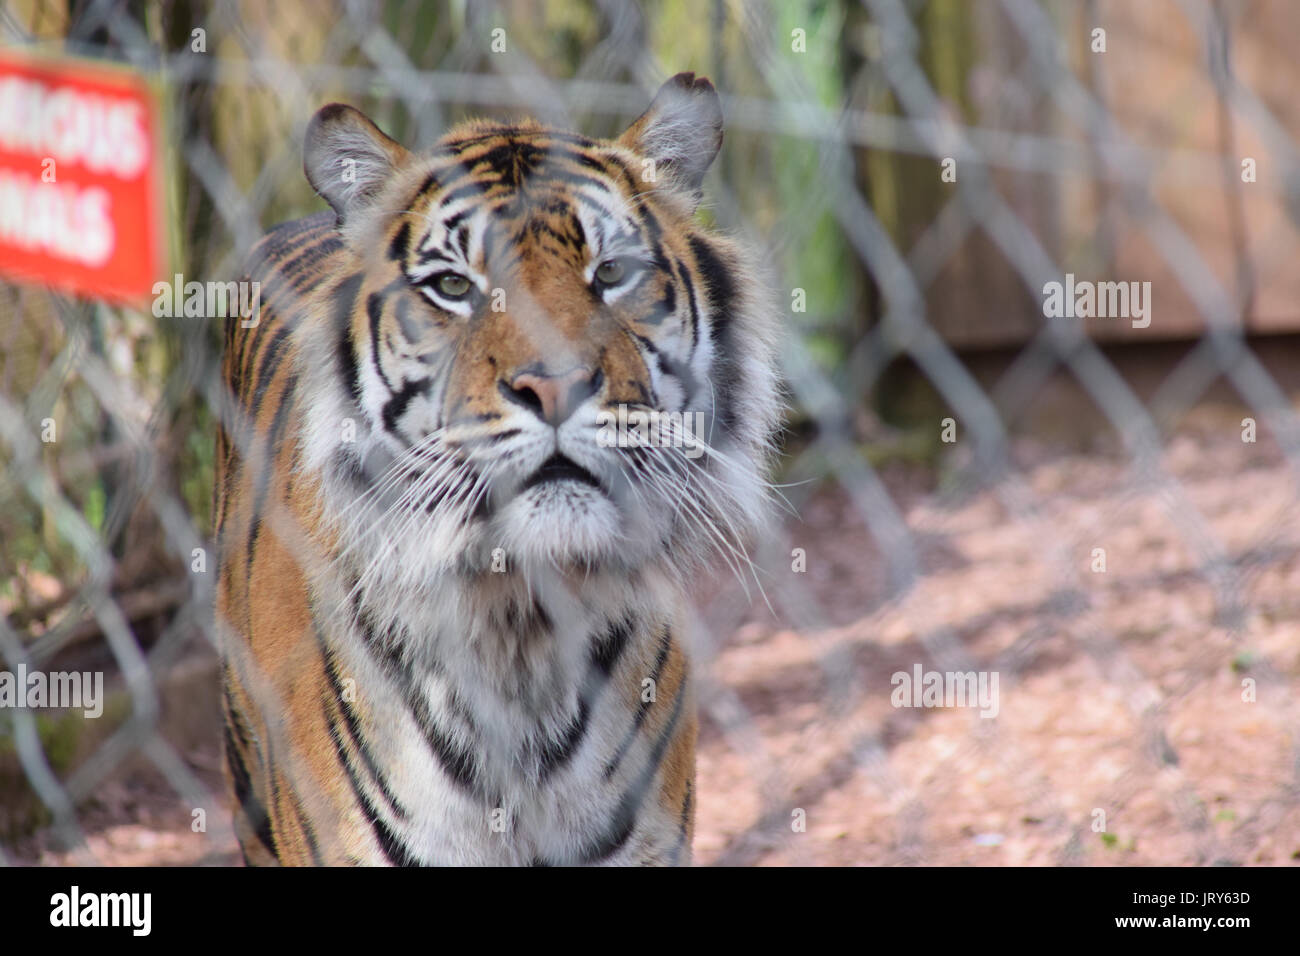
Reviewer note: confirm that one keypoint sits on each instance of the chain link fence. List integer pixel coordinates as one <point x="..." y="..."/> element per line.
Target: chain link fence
<point x="1092" y="514"/>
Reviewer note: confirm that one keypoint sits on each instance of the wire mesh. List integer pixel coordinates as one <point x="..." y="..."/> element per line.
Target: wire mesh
<point x="1131" y="595"/>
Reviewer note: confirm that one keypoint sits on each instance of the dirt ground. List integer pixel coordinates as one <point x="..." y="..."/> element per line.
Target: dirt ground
<point x="1121" y="691"/>
<point x="1147" y="713"/>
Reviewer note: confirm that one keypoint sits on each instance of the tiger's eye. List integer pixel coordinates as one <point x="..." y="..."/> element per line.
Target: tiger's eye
<point x="610" y="272"/>
<point x="452" y="285"/>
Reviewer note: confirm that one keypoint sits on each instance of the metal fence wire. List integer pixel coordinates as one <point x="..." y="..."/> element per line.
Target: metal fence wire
<point x="1096" y="513"/>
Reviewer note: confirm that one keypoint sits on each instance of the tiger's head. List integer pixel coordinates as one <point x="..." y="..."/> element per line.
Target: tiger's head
<point x="548" y="357"/>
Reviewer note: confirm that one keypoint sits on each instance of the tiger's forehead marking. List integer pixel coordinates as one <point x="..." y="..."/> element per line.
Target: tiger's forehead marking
<point x="492" y="196"/>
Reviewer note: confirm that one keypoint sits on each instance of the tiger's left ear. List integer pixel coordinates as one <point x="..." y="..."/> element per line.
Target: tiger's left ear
<point x="681" y="131"/>
<point x="348" y="159"/>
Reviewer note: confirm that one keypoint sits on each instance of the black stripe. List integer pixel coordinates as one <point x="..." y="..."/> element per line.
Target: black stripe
<point x="623" y="819"/>
<point x="273" y="784"/>
<point x="457" y="175"/>
<point x="457" y="764"/>
<point x="298" y="273"/>
<point x="510" y="160"/>
<point x="654" y="232"/>
<point x="719" y="285"/>
<point x="596" y="208"/>
<point x="308" y="831"/>
<point x="435" y="255"/>
<point x="470" y="189"/>
<point x="393" y="849"/>
<point x="353" y="727"/>
<point x="274" y="353"/>
<point x="345" y="300"/>
<point x="665" y="644"/>
<point x="669" y="302"/>
<point x="492" y="132"/>
<point x="459" y="708"/>
<point x="247" y="800"/>
<point x="684" y="274"/>
<point x="375" y="312"/>
<point x="385" y="650"/>
<point x="671" y="367"/>
<point x="578" y="179"/>
<point x="396" y="406"/>
<point x="308" y="256"/>
<point x="554" y="754"/>
<point x="430" y="182"/>
<point x="633" y="187"/>
<point x="605" y="653"/>
<point x="267" y="452"/>
<point x="397" y="248"/>
<point x="662" y="309"/>
<point x="598" y="163"/>
<point x="720" y="289"/>
<point x="586" y="159"/>
<point x="286" y="237"/>
<point x="531" y="155"/>
<point x="327" y="245"/>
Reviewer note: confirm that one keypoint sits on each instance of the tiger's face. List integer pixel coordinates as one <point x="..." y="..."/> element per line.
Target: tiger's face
<point x="552" y="361"/>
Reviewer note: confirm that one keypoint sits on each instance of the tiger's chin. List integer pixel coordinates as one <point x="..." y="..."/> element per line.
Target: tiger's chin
<point x="561" y="523"/>
<point x="567" y="524"/>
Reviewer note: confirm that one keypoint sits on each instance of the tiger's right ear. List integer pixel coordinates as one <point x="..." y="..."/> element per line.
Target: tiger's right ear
<point x="681" y="131"/>
<point x="348" y="159"/>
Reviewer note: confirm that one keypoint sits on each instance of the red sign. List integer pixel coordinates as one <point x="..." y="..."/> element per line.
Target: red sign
<point x="80" y="203"/>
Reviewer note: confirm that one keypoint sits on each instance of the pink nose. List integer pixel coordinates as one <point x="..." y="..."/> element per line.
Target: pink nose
<point x="554" y="397"/>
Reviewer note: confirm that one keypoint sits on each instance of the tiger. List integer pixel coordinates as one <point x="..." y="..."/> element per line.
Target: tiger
<point x="451" y="585"/>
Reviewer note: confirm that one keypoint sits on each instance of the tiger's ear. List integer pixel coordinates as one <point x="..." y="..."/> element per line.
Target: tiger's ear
<point x="681" y="131"/>
<point x="347" y="158"/>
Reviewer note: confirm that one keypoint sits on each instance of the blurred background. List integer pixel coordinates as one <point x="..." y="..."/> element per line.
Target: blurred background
<point x="1103" y="515"/>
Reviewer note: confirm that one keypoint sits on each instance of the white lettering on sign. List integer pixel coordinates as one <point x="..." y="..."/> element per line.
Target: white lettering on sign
<point x="63" y="220"/>
<point x="102" y="134"/>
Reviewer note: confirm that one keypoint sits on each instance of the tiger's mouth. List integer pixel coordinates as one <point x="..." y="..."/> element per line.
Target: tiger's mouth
<point x="560" y="468"/>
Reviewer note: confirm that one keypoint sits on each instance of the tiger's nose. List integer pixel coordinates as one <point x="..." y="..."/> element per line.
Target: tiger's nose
<point x="553" y="397"/>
